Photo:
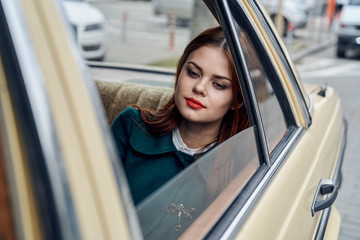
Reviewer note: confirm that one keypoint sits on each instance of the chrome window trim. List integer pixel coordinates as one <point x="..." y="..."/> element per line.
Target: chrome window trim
<point x="22" y="59"/>
<point x="283" y="57"/>
<point x="124" y="191"/>
<point x="241" y="216"/>
<point x="129" y="67"/>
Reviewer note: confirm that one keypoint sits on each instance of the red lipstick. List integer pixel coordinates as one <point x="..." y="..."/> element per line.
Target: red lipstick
<point x="193" y="103"/>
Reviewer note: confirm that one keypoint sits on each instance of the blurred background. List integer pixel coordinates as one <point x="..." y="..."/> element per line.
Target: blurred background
<point x="322" y="37"/>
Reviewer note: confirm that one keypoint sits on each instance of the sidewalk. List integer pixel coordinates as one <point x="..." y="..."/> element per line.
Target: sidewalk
<point x="310" y="40"/>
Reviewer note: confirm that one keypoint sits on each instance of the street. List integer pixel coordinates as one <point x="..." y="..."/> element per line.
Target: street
<point x="129" y="22"/>
<point x="343" y="75"/>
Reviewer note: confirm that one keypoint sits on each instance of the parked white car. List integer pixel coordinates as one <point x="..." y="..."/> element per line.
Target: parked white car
<point x="89" y="27"/>
<point x="349" y="28"/>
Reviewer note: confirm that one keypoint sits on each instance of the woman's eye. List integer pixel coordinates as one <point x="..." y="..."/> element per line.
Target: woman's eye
<point x="192" y="73"/>
<point x="219" y="85"/>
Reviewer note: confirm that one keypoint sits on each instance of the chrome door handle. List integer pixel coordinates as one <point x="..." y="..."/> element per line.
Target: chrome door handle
<point x="325" y="187"/>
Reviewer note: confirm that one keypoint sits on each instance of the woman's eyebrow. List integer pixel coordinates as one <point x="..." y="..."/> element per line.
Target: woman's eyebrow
<point x="222" y="77"/>
<point x="216" y="76"/>
<point x="197" y="66"/>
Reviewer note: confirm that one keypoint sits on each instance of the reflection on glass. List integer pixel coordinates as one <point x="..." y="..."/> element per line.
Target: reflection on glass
<point x="206" y="188"/>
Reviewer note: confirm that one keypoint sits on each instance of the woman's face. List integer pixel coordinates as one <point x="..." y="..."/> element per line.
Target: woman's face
<point x="203" y="92"/>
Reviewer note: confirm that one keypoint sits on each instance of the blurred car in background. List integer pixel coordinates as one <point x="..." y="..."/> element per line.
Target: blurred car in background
<point x="349" y="28"/>
<point x="88" y="24"/>
<point x="182" y="8"/>
<point x="294" y="13"/>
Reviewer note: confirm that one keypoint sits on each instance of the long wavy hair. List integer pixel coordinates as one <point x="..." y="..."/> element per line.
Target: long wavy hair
<point x="168" y="116"/>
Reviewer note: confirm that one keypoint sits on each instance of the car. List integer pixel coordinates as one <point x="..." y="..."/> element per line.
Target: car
<point x="61" y="178"/>
<point x="88" y="25"/>
<point x="348" y="34"/>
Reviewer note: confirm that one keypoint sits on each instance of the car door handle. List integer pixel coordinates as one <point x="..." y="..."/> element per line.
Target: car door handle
<point x="325" y="187"/>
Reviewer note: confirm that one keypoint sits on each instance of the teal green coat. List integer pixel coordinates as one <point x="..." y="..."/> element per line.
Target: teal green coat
<point x="149" y="161"/>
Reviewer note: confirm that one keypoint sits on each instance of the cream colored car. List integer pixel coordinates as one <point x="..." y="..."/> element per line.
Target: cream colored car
<point x="60" y="177"/>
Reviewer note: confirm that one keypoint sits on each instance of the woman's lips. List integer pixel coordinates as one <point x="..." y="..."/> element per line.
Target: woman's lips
<point x="193" y="103"/>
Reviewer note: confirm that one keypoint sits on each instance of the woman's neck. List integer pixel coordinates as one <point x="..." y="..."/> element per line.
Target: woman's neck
<point x="198" y="135"/>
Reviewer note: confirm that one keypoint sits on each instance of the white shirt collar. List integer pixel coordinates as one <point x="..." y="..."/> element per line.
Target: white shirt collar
<point x="181" y="146"/>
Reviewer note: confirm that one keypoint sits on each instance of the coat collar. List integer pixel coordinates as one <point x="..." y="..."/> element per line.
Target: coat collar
<point x="144" y="142"/>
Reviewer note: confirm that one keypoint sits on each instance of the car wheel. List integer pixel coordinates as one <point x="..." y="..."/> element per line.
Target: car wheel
<point x="340" y="51"/>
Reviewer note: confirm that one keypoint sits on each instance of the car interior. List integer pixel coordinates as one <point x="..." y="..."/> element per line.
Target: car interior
<point x="116" y="96"/>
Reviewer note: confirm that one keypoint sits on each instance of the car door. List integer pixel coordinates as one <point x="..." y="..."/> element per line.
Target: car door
<point x="298" y="164"/>
<point x="286" y="171"/>
<point x="56" y="144"/>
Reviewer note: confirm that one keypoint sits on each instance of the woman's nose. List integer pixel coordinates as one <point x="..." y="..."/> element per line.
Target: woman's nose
<point x="200" y="87"/>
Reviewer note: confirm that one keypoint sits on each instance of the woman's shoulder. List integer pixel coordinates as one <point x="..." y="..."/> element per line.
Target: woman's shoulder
<point x="130" y="112"/>
<point x="127" y="115"/>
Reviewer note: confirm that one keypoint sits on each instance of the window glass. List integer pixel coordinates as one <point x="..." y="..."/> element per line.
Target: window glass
<point x="271" y="112"/>
<point x="206" y="187"/>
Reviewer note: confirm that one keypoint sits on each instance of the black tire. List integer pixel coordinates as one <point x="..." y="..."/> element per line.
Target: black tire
<point x="98" y="59"/>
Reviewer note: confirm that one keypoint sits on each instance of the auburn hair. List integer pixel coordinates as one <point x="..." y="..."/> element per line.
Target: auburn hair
<point x="165" y="119"/>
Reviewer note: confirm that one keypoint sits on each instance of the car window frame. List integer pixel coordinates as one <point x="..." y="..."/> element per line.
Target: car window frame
<point x="243" y="204"/>
<point x="246" y="82"/>
<point x="303" y="99"/>
<point x="277" y="85"/>
<point x="236" y="215"/>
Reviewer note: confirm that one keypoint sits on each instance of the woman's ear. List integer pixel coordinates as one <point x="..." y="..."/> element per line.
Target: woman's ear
<point x="240" y="105"/>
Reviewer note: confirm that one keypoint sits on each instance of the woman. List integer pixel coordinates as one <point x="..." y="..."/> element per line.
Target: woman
<point x="206" y="109"/>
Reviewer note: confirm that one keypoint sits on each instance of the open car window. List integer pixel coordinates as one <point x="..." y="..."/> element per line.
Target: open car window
<point x="193" y="201"/>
